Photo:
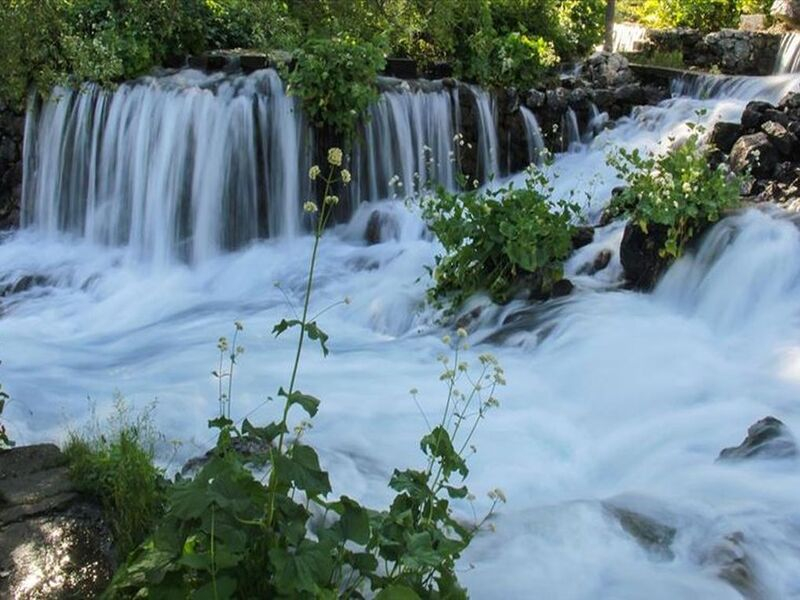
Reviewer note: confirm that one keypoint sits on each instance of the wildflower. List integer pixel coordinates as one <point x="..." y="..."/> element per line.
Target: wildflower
<point x="413" y="391"/>
<point x="347" y="300"/>
<point x="335" y="157"/>
<point x="346" y="177"/>
<point x="687" y="187"/>
<point x="446" y="340"/>
<point x="314" y="172"/>
<point x="310" y="207"/>
<point x="461" y="332"/>
<point x="332" y="200"/>
<point x="238" y="325"/>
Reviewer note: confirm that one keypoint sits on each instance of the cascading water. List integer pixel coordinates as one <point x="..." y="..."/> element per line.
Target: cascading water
<point x="597" y="121"/>
<point x="571" y="131"/>
<point x="616" y="400"/>
<point x="788" y="58"/>
<point x="626" y="36"/>
<point x="533" y="133"/>
<point x="189" y="165"/>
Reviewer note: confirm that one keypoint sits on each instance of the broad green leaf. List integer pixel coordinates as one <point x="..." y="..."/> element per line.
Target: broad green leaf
<point x="397" y="592"/>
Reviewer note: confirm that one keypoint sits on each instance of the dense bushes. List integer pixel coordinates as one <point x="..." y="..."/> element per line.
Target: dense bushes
<point x="522" y="61"/>
<point x="497" y="240"/>
<point x="706" y="15"/>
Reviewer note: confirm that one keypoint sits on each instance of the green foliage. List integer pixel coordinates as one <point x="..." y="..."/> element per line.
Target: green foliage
<point x="335" y="79"/>
<point x="522" y="61"/>
<point x="495" y="240"/>
<point x="228" y="533"/>
<point x="582" y="24"/>
<point x="677" y="190"/>
<point x="5" y="441"/>
<point x="706" y="15"/>
<point x="115" y="464"/>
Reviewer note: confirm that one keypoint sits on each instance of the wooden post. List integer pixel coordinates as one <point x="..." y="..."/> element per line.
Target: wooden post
<point x="611" y="9"/>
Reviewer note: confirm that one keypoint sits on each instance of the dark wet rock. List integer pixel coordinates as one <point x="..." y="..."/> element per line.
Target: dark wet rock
<point x="734" y="565"/>
<point x="251" y="449"/>
<point x="561" y="288"/>
<point x="605" y="69"/>
<point x="639" y="255"/>
<point x="630" y="94"/>
<point x="23" y="284"/>
<point x="766" y="439"/>
<point x="402" y="68"/>
<point x="583" y="236"/>
<point x="655" y="537"/>
<point x="754" y="154"/>
<point x="381" y="228"/>
<point x="600" y="262"/>
<point x="54" y="543"/>
<point x="253" y="62"/>
<point x="754" y="115"/>
<point x="781" y="138"/>
<point x="724" y="135"/>
<point x="557" y="100"/>
<point x="468" y="318"/>
<point x="534" y="99"/>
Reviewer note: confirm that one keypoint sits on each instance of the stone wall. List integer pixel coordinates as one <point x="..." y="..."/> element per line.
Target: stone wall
<point x="731" y="51"/>
<point x="12" y="129"/>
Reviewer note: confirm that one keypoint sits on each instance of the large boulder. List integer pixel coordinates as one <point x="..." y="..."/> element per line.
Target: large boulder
<point x="768" y="438"/>
<point x="756" y="154"/>
<point x="606" y="69"/>
<point x="786" y="10"/>
<point x="639" y="253"/>
<point x="54" y="543"/>
<point x="724" y="135"/>
<point x="781" y="138"/>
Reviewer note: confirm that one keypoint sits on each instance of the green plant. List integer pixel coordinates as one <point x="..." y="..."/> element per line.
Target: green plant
<point x="115" y="464"/>
<point x="659" y="58"/>
<point x="498" y="240"/>
<point x="228" y="534"/>
<point x="335" y="79"/>
<point x="522" y="61"/>
<point x="706" y="15"/>
<point x="677" y="190"/>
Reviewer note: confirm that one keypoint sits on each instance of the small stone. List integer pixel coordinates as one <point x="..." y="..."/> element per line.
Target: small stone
<point x="769" y="438"/>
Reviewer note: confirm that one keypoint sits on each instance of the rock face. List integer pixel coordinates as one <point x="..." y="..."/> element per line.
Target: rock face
<point x="655" y="537"/>
<point x="768" y="438"/>
<point x="754" y="154"/>
<point x="786" y="10"/>
<point x="732" y="51"/>
<point x="12" y="129"/>
<point x="639" y="255"/>
<point x="724" y="135"/>
<point x="605" y="69"/>
<point x="54" y="543"/>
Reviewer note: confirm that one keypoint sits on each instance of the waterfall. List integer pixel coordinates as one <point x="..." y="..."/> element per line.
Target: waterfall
<point x="571" y="131"/>
<point x="770" y="89"/>
<point x="626" y="35"/>
<point x="488" y="160"/>
<point x="188" y="165"/>
<point x="788" y="58"/>
<point x="597" y="121"/>
<point x="533" y="133"/>
<point x="408" y="135"/>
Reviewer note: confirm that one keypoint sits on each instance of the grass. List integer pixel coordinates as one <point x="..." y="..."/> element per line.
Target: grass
<point x="117" y="467"/>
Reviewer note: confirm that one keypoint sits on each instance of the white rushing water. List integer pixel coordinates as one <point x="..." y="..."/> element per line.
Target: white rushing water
<point x="613" y="397"/>
<point x="626" y="35"/>
<point x="788" y="58"/>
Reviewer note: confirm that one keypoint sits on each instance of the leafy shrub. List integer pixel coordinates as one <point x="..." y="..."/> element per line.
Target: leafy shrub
<point x="335" y="79"/>
<point x="582" y="25"/>
<point x="706" y="15"/>
<point x="115" y="464"/>
<point x="495" y="239"/>
<point x="677" y="190"/>
<point x="261" y="24"/>
<point x="229" y="534"/>
<point x="522" y="61"/>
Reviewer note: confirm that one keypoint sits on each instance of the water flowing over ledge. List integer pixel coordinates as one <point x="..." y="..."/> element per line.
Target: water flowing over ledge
<point x="189" y="165"/>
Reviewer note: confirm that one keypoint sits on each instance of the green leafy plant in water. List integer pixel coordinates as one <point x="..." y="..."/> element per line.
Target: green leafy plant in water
<point x="115" y="463"/>
<point x="676" y="190"/>
<point x="227" y="533"/>
<point x="498" y="240"/>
